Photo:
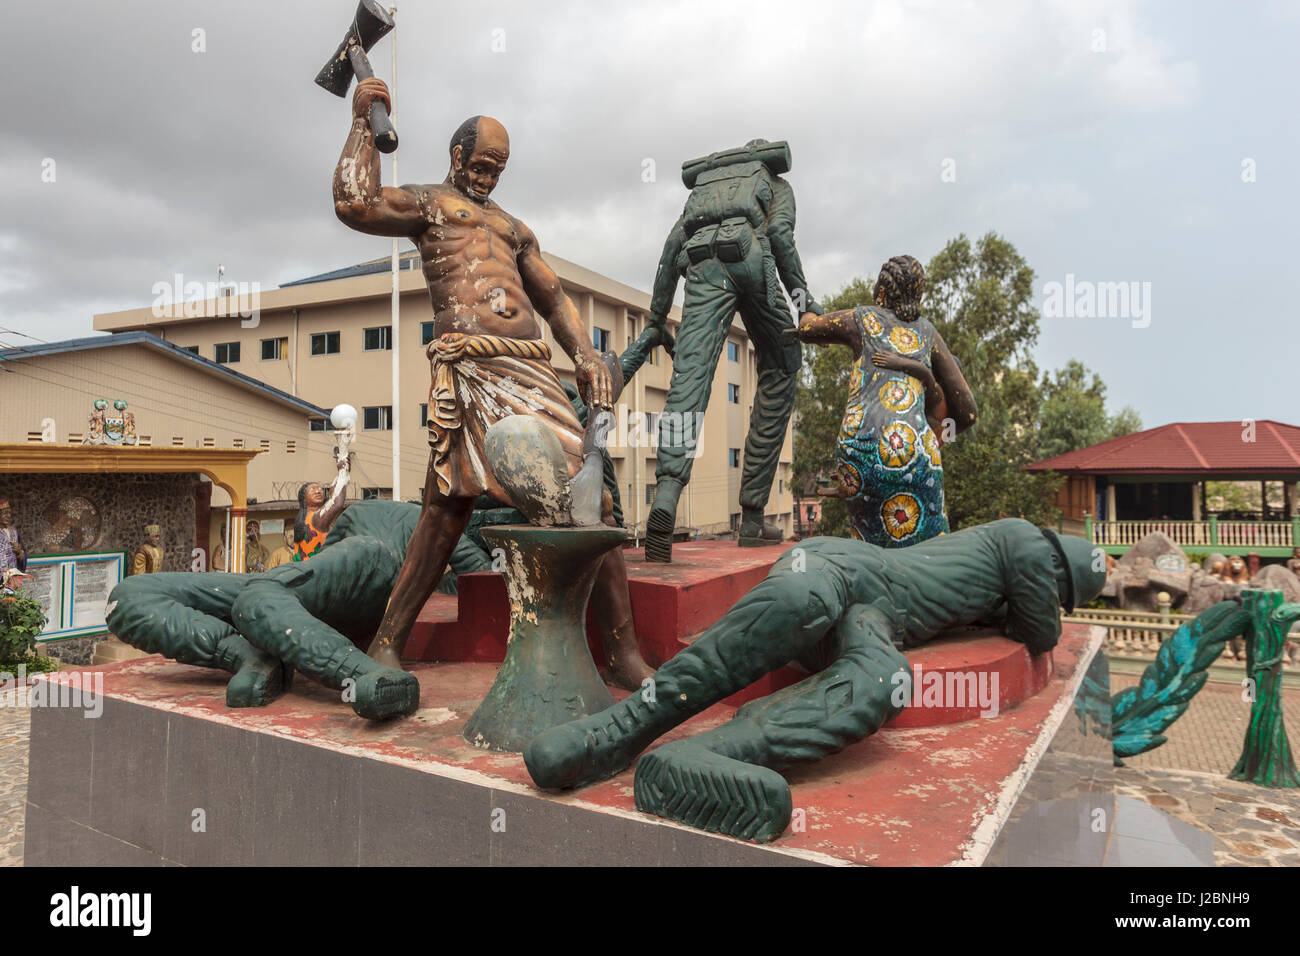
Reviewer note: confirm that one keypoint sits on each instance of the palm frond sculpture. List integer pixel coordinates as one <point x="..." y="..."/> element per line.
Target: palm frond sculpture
<point x="1141" y="714"/>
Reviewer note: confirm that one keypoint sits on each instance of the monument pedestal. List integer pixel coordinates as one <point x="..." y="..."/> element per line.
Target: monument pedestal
<point x="177" y="777"/>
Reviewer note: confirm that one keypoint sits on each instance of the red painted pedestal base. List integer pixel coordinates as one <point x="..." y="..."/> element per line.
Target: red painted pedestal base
<point x="674" y="603"/>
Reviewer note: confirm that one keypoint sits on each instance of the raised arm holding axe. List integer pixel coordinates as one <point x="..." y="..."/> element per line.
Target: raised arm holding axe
<point x="488" y="285"/>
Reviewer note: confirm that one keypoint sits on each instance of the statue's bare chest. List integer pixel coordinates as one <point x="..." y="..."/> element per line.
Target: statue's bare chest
<point x="452" y="218"/>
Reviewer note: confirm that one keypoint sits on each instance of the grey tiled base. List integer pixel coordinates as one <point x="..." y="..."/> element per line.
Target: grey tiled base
<point x="1070" y="815"/>
<point x="147" y="787"/>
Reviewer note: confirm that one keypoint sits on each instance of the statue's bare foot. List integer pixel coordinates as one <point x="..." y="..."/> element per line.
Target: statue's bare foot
<point x="628" y="669"/>
<point x="387" y="655"/>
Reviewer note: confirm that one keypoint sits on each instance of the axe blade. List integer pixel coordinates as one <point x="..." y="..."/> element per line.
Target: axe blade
<point x="370" y="25"/>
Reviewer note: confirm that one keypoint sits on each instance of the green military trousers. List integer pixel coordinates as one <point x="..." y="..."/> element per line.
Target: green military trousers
<point x="715" y="292"/>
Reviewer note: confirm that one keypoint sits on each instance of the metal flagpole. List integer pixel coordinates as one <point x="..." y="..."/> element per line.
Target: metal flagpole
<point x="397" y="305"/>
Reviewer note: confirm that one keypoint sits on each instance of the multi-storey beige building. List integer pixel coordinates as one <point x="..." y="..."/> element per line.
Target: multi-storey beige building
<point x="327" y="340"/>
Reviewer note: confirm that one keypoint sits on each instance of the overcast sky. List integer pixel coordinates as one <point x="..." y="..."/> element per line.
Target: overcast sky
<point x="1113" y="142"/>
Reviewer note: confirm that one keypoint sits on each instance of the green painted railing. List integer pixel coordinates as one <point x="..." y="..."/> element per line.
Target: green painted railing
<point x="1211" y="534"/>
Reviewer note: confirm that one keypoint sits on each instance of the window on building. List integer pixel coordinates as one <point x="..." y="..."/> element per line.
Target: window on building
<point x="734" y="455"/>
<point x="650" y="494"/>
<point x="424" y="414"/>
<point x="600" y="339"/>
<point x="325" y="343"/>
<point x="274" y="349"/>
<point x="733" y="352"/>
<point x="227" y="353"/>
<point x="377" y="418"/>
<point x="380" y="339"/>
<point x="192" y="349"/>
<point x="376" y="494"/>
<point x="733" y="394"/>
<point x="319" y="425"/>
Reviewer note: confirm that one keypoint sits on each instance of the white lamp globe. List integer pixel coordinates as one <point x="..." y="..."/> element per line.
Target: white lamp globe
<point x="343" y="417"/>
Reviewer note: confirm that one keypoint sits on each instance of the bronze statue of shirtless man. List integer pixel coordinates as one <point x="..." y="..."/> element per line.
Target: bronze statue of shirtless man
<point x="488" y="283"/>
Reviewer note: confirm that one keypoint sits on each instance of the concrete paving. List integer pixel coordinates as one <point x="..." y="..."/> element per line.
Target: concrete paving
<point x="15" y="735"/>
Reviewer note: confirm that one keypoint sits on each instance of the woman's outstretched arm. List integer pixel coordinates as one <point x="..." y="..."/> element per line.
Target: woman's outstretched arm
<point x="833" y="328"/>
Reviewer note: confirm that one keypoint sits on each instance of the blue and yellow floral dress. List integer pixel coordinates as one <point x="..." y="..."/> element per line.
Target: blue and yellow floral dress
<point x="890" y="468"/>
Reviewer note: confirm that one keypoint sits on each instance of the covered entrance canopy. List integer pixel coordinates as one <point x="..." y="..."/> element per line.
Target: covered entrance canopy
<point x="227" y="467"/>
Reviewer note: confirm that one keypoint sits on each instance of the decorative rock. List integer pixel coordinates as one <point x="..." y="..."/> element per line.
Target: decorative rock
<point x="1150" y="547"/>
<point x="1204" y="592"/>
<point x="1275" y="577"/>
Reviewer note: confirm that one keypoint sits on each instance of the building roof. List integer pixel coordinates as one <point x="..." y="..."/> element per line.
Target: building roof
<point x="1219" y="448"/>
<point x="408" y="260"/>
<point x="364" y="281"/>
<point x="175" y="352"/>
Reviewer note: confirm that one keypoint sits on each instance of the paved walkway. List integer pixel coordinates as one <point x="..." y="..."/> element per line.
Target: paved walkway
<point x="1186" y="778"/>
<point x="15" y="733"/>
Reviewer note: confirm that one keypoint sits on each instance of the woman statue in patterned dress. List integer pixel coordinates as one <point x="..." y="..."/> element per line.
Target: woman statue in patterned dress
<point x="906" y="395"/>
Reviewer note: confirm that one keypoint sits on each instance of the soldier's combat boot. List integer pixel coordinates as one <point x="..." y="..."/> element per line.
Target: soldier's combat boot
<point x="375" y="691"/>
<point x="599" y="746"/>
<point x="691" y="784"/>
<point x="662" y="521"/>
<point x="259" y="677"/>
<point x="754" y="531"/>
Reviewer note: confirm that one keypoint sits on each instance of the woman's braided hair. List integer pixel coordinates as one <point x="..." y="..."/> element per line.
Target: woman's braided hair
<point x="300" y="522"/>
<point x="898" y="288"/>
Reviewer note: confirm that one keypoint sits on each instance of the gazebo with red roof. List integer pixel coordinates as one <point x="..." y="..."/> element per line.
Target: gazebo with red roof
<point x="1122" y="489"/>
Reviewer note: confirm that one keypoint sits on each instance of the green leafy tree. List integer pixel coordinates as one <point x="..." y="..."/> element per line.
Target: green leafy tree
<point x="979" y="296"/>
<point x="21" y="622"/>
<point x="1125" y="422"/>
<point x="1073" y="413"/>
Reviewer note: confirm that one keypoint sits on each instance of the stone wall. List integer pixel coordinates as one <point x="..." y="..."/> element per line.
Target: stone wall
<point x="70" y="513"/>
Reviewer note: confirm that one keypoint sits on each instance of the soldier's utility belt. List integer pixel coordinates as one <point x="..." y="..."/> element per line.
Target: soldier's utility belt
<point x="730" y="241"/>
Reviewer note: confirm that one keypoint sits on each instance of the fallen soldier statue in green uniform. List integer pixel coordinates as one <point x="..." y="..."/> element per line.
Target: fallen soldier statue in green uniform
<point x="298" y="616"/>
<point x="315" y="616"/>
<point x="829" y="599"/>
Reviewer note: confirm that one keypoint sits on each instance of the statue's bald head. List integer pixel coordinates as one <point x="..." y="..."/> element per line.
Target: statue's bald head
<point x="479" y="150"/>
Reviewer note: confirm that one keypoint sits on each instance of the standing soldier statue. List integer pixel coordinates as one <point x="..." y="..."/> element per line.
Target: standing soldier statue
<point x="735" y="236"/>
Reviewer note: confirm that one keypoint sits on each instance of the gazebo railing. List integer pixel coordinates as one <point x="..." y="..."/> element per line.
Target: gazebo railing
<point x="1209" y="534"/>
<point x="1137" y="633"/>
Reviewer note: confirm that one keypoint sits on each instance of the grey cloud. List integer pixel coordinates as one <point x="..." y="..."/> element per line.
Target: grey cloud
<point x="1113" y="166"/>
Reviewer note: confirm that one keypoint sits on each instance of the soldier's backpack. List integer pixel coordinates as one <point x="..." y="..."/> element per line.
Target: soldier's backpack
<point x="731" y="192"/>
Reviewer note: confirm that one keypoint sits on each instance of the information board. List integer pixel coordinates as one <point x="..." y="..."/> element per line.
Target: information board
<point x="73" y="589"/>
